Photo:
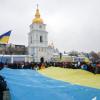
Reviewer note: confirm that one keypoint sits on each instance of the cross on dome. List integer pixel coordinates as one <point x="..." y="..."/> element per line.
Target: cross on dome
<point x="37" y="18"/>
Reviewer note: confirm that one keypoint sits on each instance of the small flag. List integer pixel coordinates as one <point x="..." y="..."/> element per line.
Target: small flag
<point x="4" y="38"/>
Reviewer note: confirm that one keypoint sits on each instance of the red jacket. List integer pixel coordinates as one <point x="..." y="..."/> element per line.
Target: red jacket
<point x="98" y="65"/>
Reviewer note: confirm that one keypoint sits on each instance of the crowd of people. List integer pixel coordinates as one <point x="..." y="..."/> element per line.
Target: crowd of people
<point x="92" y="67"/>
<point x="24" y="65"/>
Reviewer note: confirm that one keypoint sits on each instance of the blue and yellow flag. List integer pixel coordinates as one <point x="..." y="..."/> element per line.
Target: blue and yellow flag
<point x="4" y="38"/>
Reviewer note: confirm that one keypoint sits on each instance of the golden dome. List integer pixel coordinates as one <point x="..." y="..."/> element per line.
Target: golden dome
<point x="37" y="18"/>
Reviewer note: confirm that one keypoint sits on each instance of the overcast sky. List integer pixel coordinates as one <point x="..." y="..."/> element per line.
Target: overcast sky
<point x="71" y="24"/>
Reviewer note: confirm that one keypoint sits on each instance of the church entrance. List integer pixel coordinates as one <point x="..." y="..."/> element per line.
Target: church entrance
<point x="42" y="60"/>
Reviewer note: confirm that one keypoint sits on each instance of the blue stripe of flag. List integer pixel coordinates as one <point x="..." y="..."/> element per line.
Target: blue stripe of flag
<point x="5" y="34"/>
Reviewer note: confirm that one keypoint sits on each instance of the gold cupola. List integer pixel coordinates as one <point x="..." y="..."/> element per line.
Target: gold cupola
<point x="37" y="18"/>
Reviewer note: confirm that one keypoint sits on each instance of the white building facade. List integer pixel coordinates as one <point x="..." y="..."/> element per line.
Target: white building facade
<point x="38" y="39"/>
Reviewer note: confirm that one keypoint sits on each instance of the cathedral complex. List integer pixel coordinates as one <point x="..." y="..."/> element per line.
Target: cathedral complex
<point x="38" y="40"/>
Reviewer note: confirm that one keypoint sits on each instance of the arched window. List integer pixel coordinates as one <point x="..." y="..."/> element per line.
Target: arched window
<point x="41" y="39"/>
<point x="40" y="26"/>
<point x="31" y="39"/>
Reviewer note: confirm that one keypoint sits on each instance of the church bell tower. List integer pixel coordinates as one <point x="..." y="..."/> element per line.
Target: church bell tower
<point x="38" y="38"/>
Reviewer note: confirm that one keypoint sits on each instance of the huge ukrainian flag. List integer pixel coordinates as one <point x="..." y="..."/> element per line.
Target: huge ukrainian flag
<point x="4" y="38"/>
